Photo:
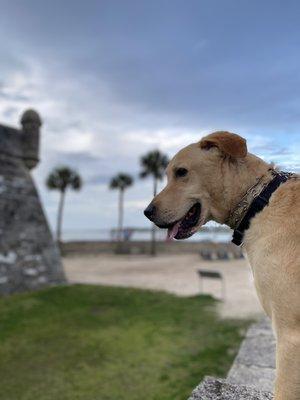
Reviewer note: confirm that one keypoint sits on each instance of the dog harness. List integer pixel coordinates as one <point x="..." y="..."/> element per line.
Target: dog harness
<point x="259" y="196"/>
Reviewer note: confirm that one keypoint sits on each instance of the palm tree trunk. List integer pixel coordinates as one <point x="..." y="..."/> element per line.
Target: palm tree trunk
<point x="155" y="187"/>
<point x="121" y="215"/>
<point x="60" y="216"/>
<point x="153" y="232"/>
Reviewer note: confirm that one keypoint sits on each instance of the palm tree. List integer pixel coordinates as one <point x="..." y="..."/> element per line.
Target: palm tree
<point x="121" y="182"/>
<point x="154" y="164"/>
<point x="62" y="178"/>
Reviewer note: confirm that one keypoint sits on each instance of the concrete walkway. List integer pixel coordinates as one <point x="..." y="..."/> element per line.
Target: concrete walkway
<point x="174" y="274"/>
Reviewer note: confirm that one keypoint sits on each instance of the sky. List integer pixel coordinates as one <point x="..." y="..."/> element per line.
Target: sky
<point x="115" y="79"/>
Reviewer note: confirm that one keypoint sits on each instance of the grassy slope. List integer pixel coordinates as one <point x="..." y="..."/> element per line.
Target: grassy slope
<point x="91" y="342"/>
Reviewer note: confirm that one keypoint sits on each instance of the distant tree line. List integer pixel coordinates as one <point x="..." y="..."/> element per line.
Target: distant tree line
<point x="153" y="164"/>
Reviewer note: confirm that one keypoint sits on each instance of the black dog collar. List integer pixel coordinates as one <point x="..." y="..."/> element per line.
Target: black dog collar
<point x="259" y="203"/>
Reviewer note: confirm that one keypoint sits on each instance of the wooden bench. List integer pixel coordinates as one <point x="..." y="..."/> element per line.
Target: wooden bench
<point x="210" y="274"/>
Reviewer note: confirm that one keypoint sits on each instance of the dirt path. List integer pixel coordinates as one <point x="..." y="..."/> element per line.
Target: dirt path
<point x="175" y="274"/>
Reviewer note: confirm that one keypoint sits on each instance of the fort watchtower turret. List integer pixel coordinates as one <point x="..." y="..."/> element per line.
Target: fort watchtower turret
<point x="22" y="143"/>
<point x="31" y="123"/>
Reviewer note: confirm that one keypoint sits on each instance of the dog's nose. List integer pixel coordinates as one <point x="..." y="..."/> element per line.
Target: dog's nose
<point x="150" y="211"/>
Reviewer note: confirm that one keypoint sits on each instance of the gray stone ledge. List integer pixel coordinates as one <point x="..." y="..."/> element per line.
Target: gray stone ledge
<point x="258" y="350"/>
<point x="263" y="327"/>
<point x="218" y="389"/>
<point x="252" y="374"/>
<point x="261" y="377"/>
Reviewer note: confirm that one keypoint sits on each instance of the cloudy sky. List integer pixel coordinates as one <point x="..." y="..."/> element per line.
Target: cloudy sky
<point x="113" y="79"/>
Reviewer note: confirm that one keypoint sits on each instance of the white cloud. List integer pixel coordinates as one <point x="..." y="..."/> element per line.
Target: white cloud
<point x="74" y="141"/>
<point x="167" y="139"/>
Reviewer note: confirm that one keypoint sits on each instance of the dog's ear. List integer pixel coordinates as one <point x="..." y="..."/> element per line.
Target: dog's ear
<point x="228" y="143"/>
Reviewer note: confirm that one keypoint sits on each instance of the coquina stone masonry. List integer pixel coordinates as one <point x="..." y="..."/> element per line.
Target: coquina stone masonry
<point x="29" y="258"/>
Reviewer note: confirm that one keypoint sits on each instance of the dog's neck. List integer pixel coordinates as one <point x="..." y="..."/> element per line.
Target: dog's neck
<point x="229" y="201"/>
<point x="240" y="210"/>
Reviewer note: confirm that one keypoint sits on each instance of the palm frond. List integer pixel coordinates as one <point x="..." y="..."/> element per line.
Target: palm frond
<point x="121" y="181"/>
<point x="153" y="163"/>
<point x="62" y="178"/>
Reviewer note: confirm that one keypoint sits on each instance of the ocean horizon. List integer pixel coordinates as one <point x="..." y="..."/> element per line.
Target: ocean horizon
<point x="110" y="235"/>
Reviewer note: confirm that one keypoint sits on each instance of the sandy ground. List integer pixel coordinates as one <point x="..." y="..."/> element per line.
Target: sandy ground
<point x="175" y="274"/>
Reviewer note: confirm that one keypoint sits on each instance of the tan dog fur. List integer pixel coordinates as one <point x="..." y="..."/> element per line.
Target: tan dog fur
<point x="220" y="170"/>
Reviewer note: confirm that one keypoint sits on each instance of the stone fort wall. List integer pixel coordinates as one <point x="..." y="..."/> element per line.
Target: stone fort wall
<point x="29" y="258"/>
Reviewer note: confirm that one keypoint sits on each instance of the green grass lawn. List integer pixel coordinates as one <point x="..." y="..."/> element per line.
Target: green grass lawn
<point x="103" y="343"/>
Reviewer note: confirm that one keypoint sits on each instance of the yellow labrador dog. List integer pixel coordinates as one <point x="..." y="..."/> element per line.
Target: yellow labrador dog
<point x="217" y="179"/>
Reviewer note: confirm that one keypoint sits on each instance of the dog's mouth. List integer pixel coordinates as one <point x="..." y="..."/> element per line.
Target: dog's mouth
<point x="187" y="225"/>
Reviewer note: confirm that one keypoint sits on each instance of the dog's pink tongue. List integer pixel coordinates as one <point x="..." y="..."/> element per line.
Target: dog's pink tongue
<point x="172" y="232"/>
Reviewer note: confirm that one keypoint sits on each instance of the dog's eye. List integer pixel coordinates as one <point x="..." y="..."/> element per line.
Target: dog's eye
<point x="180" y="172"/>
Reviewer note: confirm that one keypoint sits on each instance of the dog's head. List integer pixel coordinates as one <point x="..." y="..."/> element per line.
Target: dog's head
<point x="195" y="186"/>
